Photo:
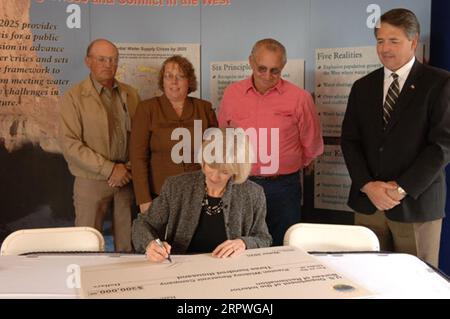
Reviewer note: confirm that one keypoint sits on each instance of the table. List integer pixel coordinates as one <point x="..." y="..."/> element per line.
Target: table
<point x="386" y="275"/>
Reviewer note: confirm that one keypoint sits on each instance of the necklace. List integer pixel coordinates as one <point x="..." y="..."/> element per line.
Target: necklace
<point x="212" y="209"/>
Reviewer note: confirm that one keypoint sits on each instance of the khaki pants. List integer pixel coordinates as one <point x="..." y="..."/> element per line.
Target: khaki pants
<point x="92" y="199"/>
<point x="419" y="239"/>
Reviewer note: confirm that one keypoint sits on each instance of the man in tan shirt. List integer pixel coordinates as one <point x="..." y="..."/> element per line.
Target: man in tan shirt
<point x="95" y="119"/>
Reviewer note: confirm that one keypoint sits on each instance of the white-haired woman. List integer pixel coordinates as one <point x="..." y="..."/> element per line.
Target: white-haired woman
<point x="213" y="210"/>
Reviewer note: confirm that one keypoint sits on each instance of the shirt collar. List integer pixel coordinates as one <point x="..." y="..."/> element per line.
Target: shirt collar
<point x="249" y="86"/>
<point x="403" y="72"/>
<point x="99" y="87"/>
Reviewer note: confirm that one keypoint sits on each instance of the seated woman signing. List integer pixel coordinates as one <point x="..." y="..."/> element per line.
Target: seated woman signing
<point x="213" y="210"/>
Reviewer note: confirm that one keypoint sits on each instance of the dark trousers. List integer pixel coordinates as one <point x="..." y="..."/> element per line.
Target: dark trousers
<point x="283" y="196"/>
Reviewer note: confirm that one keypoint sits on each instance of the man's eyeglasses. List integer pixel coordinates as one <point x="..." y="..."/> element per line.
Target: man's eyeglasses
<point x="171" y="77"/>
<point x="264" y="69"/>
<point x="105" y="60"/>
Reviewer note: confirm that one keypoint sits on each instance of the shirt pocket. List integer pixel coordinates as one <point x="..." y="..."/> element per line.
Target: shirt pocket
<point x="283" y="118"/>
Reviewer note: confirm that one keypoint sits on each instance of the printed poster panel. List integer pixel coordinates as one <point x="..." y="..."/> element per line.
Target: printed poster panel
<point x="331" y="180"/>
<point x="336" y="71"/>
<point x="140" y="63"/>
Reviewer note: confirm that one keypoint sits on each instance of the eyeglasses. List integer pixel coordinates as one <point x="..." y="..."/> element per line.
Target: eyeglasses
<point x="264" y="69"/>
<point x="105" y="60"/>
<point x="171" y="77"/>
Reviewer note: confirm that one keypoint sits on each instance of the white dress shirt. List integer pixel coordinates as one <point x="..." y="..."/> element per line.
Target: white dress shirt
<point x="402" y="73"/>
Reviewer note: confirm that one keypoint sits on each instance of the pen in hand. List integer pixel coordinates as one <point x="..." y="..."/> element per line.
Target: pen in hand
<point x="160" y="244"/>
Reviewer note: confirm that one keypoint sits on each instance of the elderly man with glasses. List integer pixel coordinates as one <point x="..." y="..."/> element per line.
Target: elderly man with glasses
<point x="269" y="104"/>
<point x="95" y="125"/>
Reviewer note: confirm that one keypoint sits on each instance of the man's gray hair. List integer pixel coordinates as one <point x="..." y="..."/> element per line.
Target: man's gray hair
<point x="271" y="45"/>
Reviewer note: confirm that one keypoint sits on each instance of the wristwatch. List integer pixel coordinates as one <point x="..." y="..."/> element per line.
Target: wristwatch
<point x="401" y="191"/>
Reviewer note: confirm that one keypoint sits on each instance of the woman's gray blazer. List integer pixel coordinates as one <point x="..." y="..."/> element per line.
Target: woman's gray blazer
<point x="174" y="215"/>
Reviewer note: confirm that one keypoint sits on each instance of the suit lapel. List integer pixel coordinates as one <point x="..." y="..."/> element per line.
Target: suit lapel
<point x="406" y="95"/>
<point x="167" y="108"/>
<point x="376" y="96"/>
<point x="188" y="109"/>
<point x="88" y="89"/>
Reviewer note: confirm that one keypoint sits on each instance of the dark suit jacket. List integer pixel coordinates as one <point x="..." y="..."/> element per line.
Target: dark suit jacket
<point x="413" y="149"/>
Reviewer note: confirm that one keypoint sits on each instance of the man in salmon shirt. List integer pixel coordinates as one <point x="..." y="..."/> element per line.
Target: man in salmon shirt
<point x="286" y="123"/>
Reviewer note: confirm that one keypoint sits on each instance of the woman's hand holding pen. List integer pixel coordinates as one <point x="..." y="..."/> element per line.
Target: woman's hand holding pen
<point x="158" y="253"/>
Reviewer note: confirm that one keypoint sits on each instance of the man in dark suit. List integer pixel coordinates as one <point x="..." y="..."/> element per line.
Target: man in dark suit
<point x="396" y="143"/>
